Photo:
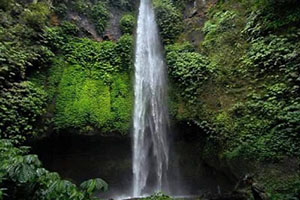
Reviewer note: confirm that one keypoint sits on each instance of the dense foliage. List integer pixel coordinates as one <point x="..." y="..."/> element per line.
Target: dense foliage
<point x="22" y="177"/>
<point x="251" y="70"/>
<point x="99" y="15"/>
<point x="240" y="84"/>
<point x="187" y="68"/>
<point x="91" y="85"/>
<point x="53" y="76"/>
<point x="264" y="116"/>
<point x="169" y="20"/>
<point x="23" y="49"/>
<point x="127" y="5"/>
<point x="21" y="105"/>
<point x="90" y="81"/>
<point x="127" y="23"/>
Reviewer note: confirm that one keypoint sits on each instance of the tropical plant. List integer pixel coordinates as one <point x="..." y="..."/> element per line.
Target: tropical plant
<point x="22" y="176"/>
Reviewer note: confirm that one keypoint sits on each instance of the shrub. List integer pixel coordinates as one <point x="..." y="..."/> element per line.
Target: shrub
<point x="169" y="20"/>
<point x="270" y="54"/>
<point x="127" y="23"/>
<point x="218" y="24"/>
<point x="268" y="125"/>
<point x="57" y="36"/>
<point x="93" y="55"/>
<point x="36" y="16"/>
<point x="157" y="196"/>
<point x="61" y="9"/>
<point x="189" y="69"/>
<point x="82" y="101"/>
<point x="6" y="4"/>
<point x="124" y="50"/>
<point x="21" y="107"/>
<point x="100" y="15"/>
<point x="23" y="177"/>
<point x="81" y="6"/>
<point x="123" y="4"/>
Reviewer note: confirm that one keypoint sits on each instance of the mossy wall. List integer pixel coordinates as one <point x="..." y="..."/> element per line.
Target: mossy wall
<point x="241" y="78"/>
<point x="89" y="82"/>
<point x="90" y="86"/>
<point x="234" y="73"/>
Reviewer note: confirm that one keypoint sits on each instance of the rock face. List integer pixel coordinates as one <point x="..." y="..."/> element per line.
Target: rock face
<point x="113" y="28"/>
<point x="194" y="18"/>
<point x="85" y="24"/>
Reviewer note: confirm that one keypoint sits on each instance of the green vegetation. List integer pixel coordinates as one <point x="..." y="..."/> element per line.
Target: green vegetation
<point x="264" y="115"/>
<point x="127" y="5"/>
<point x="241" y="83"/>
<point x="187" y="68"/>
<point x="99" y="15"/>
<point x="82" y="102"/>
<point x="93" y="86"/>
<point x="21" y="105"/>
<point x="157" y="196"/>
<point x="22" y="177"/>
<point x="22" y="51"/>
<point x="89" y="81"/>
<point x="251" y="71"/>
<point x="53" y="76"/>
<point x="169" y="20"/>
<point x="127" y="23"/>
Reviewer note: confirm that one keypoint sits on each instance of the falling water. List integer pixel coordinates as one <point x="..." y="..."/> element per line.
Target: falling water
<point x="150" y="121"/>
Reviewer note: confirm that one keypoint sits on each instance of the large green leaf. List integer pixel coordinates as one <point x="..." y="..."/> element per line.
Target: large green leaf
<point x="94" y="185"/>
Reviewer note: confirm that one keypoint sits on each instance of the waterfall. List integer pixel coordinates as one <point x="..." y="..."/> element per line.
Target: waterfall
<point x="150" y="120"/>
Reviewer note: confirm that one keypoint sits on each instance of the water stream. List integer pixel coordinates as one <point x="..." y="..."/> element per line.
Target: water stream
<point x="150" y="120"/>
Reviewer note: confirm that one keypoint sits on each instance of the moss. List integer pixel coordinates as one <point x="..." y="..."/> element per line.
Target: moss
<point x="91" y="88"/>
<point x="82" y="102"/>
<point x="122" y="102"/>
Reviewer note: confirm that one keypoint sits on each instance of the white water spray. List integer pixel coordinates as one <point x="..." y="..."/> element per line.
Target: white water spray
<point x="150" y="121"/>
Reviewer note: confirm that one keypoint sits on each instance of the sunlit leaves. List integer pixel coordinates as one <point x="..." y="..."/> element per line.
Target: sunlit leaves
<point x="36" y="15"/>
<point x="85" y="85"/>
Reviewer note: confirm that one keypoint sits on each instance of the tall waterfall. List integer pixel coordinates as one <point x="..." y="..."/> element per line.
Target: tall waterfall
<point x="150" y="121"/>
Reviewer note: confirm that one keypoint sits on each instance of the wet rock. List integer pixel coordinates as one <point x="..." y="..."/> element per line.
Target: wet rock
<point x="113" y="25"/>
<point x="107" y="37"/>
<point x="258" y="191"/>
<point x="85" y="24"/>
<point x="193" y="13"/>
